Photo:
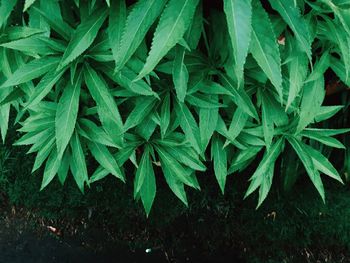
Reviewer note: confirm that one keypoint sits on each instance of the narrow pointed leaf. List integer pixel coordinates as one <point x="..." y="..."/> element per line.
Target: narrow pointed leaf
<point x="238" y="16"/>
<point x="264" y="48"/>
<point x="138" y="22"/>
<point x="83" y="36"/>
<point x="66" y="115"/>
<point x="171" y="28"/>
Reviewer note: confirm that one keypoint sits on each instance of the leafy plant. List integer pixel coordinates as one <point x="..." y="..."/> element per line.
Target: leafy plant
<point x="167" y="84"/>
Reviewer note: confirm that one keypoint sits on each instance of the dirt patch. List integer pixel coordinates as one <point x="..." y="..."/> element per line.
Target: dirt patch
<point x="24" y="238"/>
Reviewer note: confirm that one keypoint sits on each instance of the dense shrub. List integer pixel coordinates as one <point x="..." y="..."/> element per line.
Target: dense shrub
<point x="163" y="87"/>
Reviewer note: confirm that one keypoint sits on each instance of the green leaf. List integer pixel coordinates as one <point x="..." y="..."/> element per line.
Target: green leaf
<point x="322" y="164"/>
<point x="44" y="87"/>
<point x="177" y="170"/>
<point x="121" y="157"/>
<point x="55" y="21"/>
<point x="243" y="157"/>
<point x="237" y="124"/>
<point x="6" y="8"/>
<point x="308" y="164"/>
<point x="313" y="95"/>
<point x="329" y="141"/>
<point x="78" y="162"/>
<point x="66" y="115"/>
<point x="180" y="73"/>
<point x="326" y="112"/>
<point x="43" y="153"/>
<point x="143" y="107"/>
<point x="31" y="70"/>
<point x="239" y="97"/>
<point x="320" y="68"/>
<point x="175" y="184"/>
<point x="171" y="28"/>
<point x="291" y="15"/>
<point x="139" y="20"/>
<point x="207" y="125"/>
<point x="64" y="166"/>
<point x="188" y="125"/>
<point x="91" y="131"/>
<point x="148" y="190"/>
<point x="238" y="16"/>
<point x="83" y="36"/>
<point x="105" y="158"/>
<point x="51" y="168"/>
<point x="116" y="24"/>
<point x="106" y="105"/>
<point x="267" y="120"/>
<point x="165" y="114"/>
<point x="265" y="165"/>
<point x="264" y="48"/>
<point x="219" y="157"/>
<point x="145" y="166"/>
<point x="265" y="185"/>
<point x="298" y="68"/>
<point x="186" y="156"/>
<point x="27" y="4"/>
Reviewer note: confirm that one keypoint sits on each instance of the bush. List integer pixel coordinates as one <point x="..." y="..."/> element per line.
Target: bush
<point x="164" y="89"/>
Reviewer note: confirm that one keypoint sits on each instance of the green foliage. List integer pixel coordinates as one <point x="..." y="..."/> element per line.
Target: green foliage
<point x="165" y="84"/>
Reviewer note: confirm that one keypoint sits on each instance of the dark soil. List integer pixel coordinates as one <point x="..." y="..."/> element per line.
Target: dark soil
<point x="24" y="240"/>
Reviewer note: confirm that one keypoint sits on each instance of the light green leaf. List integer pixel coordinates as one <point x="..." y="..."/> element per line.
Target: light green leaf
<point x="91" y="131"/>
<point x="55" y="21"/>
<point x="171" y="28"/>
<point x="165" y="114"/>
<point x="117" y="20"/>
<point x="308" y="164"/>
<point x="320" y="67"/>
<point x="265" y="185"/>
<point x="291" y="15"/>
<point x="66" y="115"/>
<point x="6" y="8"/>
<point x="237" y="124"/>
<point x="44" y="87"/>
<point x="207" y="125"/>
<point x="238" y="17"/>
<point x="83" y="36"/>
<point x="239" y="97"/>
<point x="326" y="112"/>
<point x="267" y="120"/>
<point x="180" y="73"/>
<point x="143" y="107"/>
<point x="188" y="125"/>
<point x="219" y="157"/>
<point x="325" y="139"/>
<point x="264" y="166"/>
<point x="106" y="105"/>
<point x="64" y="166"/>
<point x="105" y="158"/>
<point x="264" y="48"/>
<point x="177" y="170"/>
<point x="78" y="162"/>
<point x="27" y="4"/>
<point x="51" y="168"/>
<point x="148" y="190"/>
<point x="313" y="95"/>
<point x="145" y="166"/>
<point x="43" y="153"/>
<point x="322" y="164"/>
<point x="298" y="68"/>
<point x="140" y="19"/>
<point x="31" y="70"/>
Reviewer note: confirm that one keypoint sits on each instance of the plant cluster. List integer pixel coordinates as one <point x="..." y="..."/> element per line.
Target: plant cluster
<point x="168" y="85"/>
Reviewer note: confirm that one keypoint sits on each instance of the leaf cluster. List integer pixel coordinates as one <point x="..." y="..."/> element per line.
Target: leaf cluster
<point x="164" y="83"/>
